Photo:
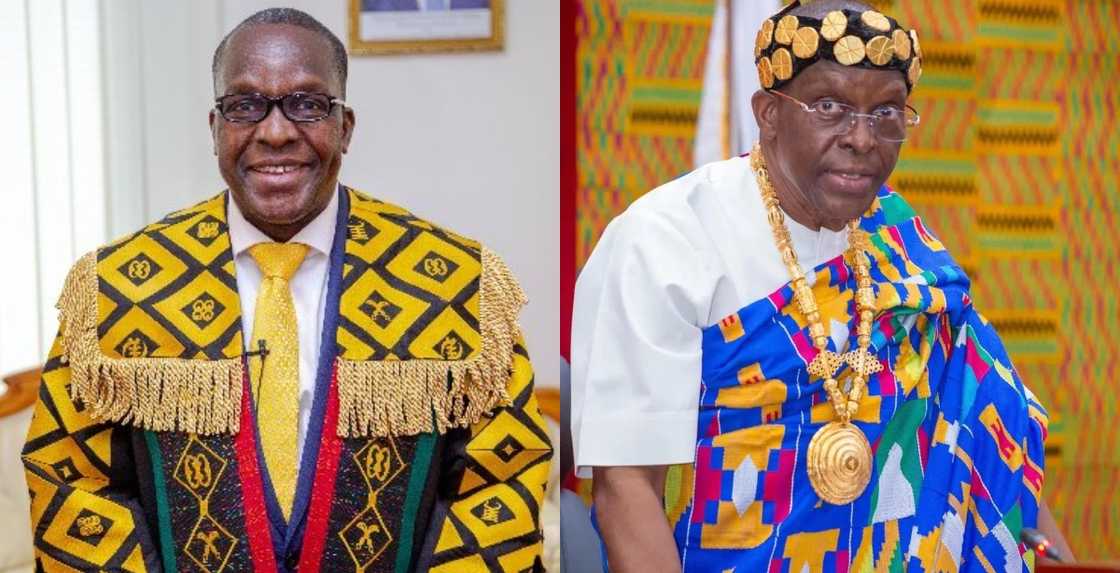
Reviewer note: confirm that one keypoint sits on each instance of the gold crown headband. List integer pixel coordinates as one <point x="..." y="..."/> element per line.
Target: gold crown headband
<point x="787" y="45"/>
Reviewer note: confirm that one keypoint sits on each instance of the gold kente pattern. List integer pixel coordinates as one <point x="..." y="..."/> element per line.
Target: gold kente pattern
<point x="151" y="325"/>
<point x="494" y="515"/>
<point x="198" y="470"/>
<point x="366" y="536"/>
<point x="169" y="291"/>
<point x="76" y="521"/>
<point x="420" y="303"/>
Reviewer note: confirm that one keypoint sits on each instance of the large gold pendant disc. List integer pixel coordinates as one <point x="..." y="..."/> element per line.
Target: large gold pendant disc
<point x="839" y="461"/>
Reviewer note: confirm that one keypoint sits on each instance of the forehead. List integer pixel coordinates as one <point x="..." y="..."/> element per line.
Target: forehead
<point x="851" y="81"/>
<point x="277" y="59"/>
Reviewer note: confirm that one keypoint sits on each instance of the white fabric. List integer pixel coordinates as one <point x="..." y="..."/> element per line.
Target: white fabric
<point x="309" y="291"/>
<point x="679" y="259"/>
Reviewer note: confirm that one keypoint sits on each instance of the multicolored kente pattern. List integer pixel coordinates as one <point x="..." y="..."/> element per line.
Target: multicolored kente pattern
<point x="639" y="79"/>
<point x="117" y="497"/>
<point x="1016" y="166"/>
<point x="957" y="438"/>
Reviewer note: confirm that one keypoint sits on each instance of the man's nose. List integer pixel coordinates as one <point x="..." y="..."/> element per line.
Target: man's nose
<point x="861" y="137"/>
<point x="276" y="130"/>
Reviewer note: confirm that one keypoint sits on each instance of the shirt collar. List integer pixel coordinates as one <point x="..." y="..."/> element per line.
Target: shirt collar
<point x="318" y="234"/>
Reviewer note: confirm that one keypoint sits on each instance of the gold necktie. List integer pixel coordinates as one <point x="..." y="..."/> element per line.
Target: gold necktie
<point x="274" y="377"/>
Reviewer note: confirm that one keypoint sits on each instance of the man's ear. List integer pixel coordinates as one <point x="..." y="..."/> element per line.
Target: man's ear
<point x="214" y="131"/>
<point x="348" y="121"/>
<point x="765" y="108"/>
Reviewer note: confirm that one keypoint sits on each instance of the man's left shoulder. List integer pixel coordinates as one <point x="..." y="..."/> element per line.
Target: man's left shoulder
<point x="429" y="261"/>
<point x="421" y="303"/>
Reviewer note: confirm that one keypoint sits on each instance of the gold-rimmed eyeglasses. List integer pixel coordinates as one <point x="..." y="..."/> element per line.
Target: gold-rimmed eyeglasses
<point x="887" y="122"/>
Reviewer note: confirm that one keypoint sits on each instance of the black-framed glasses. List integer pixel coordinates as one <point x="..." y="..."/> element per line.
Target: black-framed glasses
<point x="887" y="122"/>
<point x="300" y="107"/>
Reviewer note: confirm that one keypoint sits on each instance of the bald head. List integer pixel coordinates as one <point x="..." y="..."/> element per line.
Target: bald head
<point x="288" y="17"/>
<point x="821" y="9"/>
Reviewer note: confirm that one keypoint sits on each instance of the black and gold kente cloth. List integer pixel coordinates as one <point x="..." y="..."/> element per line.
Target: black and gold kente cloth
<point x="787" y="45"/>
<point x="425" y="452"/>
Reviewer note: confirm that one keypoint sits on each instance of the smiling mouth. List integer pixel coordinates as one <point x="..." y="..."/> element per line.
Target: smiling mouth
<point x="276" y="169"/>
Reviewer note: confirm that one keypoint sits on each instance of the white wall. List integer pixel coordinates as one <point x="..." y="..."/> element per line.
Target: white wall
<point x="53" y="194"/>
<point x="53" y="204"/>
<point x="469" y="141"/>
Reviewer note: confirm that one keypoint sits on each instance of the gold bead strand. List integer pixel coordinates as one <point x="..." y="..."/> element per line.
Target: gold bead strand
<point x="839" y="458"/>
<point x="865" y="306"/>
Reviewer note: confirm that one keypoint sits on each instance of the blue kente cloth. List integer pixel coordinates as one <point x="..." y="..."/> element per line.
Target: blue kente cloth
<point x="957" y="438"/>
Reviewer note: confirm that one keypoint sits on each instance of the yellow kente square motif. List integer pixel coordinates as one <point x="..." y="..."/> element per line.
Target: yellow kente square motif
<point x="435" y="265"/>
<point x="88" y="526"/>
<point x="140" y="268"/>
<point x="169" y="290"/>
<point x="411" y="289"/>
<point x="379" y="310"/>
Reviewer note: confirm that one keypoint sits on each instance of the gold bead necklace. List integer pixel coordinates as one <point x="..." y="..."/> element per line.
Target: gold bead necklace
<point x="839" y="457"/>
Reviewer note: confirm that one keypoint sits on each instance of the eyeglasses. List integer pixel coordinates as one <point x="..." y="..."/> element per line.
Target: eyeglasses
<point x="299" y="107"/>
<point x="887" y="122"/>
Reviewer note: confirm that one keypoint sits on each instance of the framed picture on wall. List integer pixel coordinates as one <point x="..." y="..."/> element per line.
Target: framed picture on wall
<point x="425" y="26"/>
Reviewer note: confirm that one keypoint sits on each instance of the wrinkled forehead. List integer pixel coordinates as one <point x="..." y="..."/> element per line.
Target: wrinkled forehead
<point x="276" y="59"/>
<point x="856" y="82"/>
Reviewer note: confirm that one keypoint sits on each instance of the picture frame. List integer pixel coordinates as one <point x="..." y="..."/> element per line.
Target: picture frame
<point x="380" y="27"/>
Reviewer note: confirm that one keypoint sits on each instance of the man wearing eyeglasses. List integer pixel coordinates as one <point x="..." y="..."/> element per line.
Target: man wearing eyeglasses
<point x="777" y="366"/>
<point x="292" y="374"/>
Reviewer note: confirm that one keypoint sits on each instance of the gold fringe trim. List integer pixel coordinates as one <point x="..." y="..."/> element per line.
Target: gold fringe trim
<point x="160" y="394"/>
<point x="408" y="397"/>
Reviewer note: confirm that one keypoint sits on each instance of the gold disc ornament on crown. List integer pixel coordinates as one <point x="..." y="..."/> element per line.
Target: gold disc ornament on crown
<point x="764" y="38"/>
<point x="901" y="44"/>
<point x="782" y="63"/>
<point x="805" y="43"/>
<point x="876" y="20"/>
<point x="787" y="26"/>
<point x="834" y="26"/>
<point x="765" y="73"/>
<point x="849" y="50"/>
<point x="880" y="50"/>
<point x="915" y="72"/>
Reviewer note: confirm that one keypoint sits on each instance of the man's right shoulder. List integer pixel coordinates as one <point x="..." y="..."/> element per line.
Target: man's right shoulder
<point x="193" y="241"/>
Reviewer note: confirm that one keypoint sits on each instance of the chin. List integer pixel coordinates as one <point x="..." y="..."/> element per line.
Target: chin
<point x="848" y="209"/>
<point x="280" y="208"/>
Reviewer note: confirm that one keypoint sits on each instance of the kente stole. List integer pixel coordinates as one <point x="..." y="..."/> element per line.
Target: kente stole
<point x="152" y="322"/>
<point x="957" y="437"/>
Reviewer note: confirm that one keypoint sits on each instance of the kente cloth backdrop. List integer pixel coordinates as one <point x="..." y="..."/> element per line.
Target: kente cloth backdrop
<point x="1015" y="167"/>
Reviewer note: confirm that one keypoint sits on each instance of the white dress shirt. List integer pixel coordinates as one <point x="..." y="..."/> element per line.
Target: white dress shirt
<point x="309" y="291"/>
<point x="679" y="259"/>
